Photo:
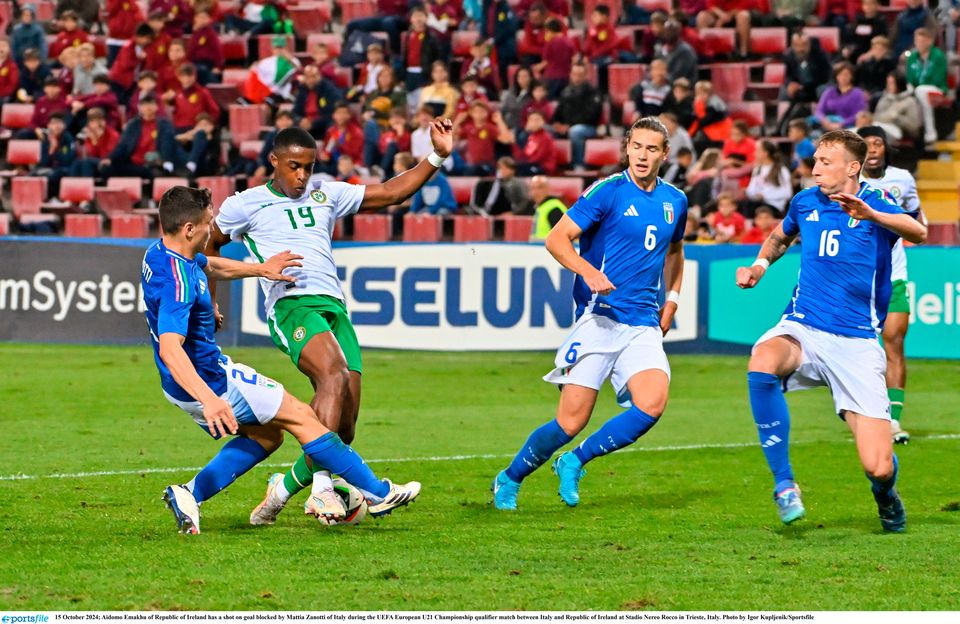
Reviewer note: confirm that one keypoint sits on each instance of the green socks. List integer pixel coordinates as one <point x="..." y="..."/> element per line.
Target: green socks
<point x="896" y="402"/>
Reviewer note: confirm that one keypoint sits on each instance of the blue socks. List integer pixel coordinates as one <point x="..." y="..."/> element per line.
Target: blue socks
<point x="235" y="458"/>
<point x="620" y="431"/>
<point x="329" y="451"/>
<point x="539" y="447"/>
<point x="773" y="425"/>
<point x="882" y="488"/>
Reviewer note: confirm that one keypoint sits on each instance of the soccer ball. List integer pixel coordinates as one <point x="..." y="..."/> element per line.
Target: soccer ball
<point x="353" y="501"/>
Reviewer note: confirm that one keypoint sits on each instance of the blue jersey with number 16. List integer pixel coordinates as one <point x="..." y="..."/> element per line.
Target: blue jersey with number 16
<point x="626" y="234"/>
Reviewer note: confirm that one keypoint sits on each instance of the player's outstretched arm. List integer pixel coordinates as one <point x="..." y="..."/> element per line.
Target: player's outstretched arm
<point x="399" y="188"/>
<point x="901" y="224"/>
<point x="217" y="240"/>
<point x="560" y="245"/>
<point x="773" y="249"/>
<point x="216" y="411"/>
<point x="220" y="268"/>
<point x="673" y="278"/>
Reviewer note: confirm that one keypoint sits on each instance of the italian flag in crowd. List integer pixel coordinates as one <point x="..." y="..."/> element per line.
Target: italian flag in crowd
<point x="268" y="76"/>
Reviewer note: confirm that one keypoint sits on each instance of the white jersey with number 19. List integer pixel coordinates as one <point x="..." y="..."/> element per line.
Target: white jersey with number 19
<point x="269" y="222"/>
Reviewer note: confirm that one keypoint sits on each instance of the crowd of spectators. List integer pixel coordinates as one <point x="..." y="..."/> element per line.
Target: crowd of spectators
<point x="122" y="88"/>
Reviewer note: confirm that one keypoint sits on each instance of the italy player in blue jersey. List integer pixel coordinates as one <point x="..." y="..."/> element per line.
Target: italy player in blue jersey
<point x="224" y="397"/>
<point x="630" y="227"/>
<point x="828" y="334"/>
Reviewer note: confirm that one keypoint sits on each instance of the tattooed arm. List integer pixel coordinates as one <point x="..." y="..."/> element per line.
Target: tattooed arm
<point x="773" y="249"/>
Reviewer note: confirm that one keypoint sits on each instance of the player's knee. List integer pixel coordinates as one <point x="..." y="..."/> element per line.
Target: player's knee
<point x="881" y="470"/>
<point x="651" y="406"/>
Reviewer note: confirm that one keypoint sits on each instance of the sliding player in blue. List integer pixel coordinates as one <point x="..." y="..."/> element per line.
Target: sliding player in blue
<point x="630" y="227"/>
<point x="828" y="335"/>
<point x="224" y="397"/>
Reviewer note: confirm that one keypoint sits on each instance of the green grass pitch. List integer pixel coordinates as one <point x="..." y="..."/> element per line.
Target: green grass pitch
<point x="683" y="521"/>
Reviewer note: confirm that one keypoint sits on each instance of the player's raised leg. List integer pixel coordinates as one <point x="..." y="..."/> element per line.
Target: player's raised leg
<point x="649" y="390"/>
<point x="772" y="360"/>
<point x="881" y="466"/>
<point x="894" y="333"/>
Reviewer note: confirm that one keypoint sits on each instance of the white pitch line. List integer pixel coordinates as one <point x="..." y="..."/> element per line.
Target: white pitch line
<point x="436" y="458"/>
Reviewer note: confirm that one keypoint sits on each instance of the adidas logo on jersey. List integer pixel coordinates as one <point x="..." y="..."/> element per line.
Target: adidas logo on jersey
<point x="813" y="216"/>
<point x="631" y="212"/>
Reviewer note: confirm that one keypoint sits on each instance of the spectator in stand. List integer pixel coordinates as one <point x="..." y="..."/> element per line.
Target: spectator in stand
<point x="578" y="114"/>
<point x="470" y="92"/>
<point x="739" y="150"/>
<point x="347" y="170"/>
<point x="535" y="151"/>
<point x="390" y="18"/>
<point x="898" y="112"/>
<point x="792" y="14"/>
<point x="52" y="102"/>
<point x="193" y="148"/>
<point x="166" y="78"/>
<point x="770" y="183"/>
<point x="443" y="18"/>
<point x="558" y="54"/>
<point x="513" y="100"/>
<point x="483" y="67"/>
<point x="396" y="139"/>
<point x="477" y="135"/>
<point x="651" y="39"/>
<point x="648" y="96"/>
<point x="99" y="140"/>
<point x="192" y="100"/>
<point x="680" y="57"/>
<point x="9" y="74"/>
<point x="548" y="209"/>
<point x="123" y="17"/>
<point x="345" y="136"/>
<point x="858" y="35"/>
<point x="440" y="96"/>
<point x="71" y="34"/>
<point x="839" y="13"/>
<point x="711" y="124"/>
<point x="28" y="35"/>
<point x="130" y="60"/>
<point x="87" y="68"/>
<point x="539" y="102"/>
<point x="807" y="68"/>
<point x="798" y="131"/>
<point x="948" y="17"/>
<point x="675" y="170"/>
<point x="560" y="8"/>
<point x="388" y="96"/>
<point x="145" y="143"/>
<point x="316" y="100"/>
<point x="259" y="169"/>
<point x="369" y="71"/>
<point x="736" y="13"/>
<point x="914" y="17"/>
<point x="33" y="75"/>
<point x="147" y="83"/>
<point x="534" y="35"/>
<point x="703" y="181"/>
<point x="678" y="137"/>
<point x="271" y="79"/>
<point x="204" y="48"/>
<point x="102" y="98"/>
<point x="803" y="176"/>
<point x="87" y="10"/>
<point x="728" y="224"/>
<point x="840" y="103"/>
<point x="156" y="50"/>
<point x="505" y="194"/>
<point x="764" y="221"/>
<point x="420" y="144"/>
<point x="323" y="61"/>
<point x="926" y="72"/>
<point x="64" y="73"/>
<point x="499" y="25"/>
<point x="435" y="197"/>
<point x="259" y="17"/>
<point x="178" y="15"/>
<point x="679" y="102"/>
<point x="57" y="153"/>
<point x="873" y="67"/>
<point x="421" y="49"/>
<point x="602" y="45"/>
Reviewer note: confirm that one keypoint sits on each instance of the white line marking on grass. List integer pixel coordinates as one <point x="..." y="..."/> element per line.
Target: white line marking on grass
<point x="437" y="458"/>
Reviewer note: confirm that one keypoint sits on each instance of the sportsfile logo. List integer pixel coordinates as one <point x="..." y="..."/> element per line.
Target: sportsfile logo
<point x="17" y="619"/>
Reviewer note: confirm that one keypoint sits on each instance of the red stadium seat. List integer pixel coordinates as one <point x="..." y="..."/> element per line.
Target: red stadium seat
<point x="130" y="226"/>
<point x="353" y="9"/>
<point x="309" y="17"/>
<point x="45" y="10"/>
<point x="343" y="77"/>
<point x="372" y="228"/>
<point x="83" y="225"/>
<point x="472" y="229"/>
<point x="26" y="153"/>
<point x="721" y="41"/>
<point x="629" y="114"/>
<point x="6" y="15"/>
<point x="655" y="5"/>
<point x="244" y="123"/>
<point x="462" y="41"/>
<point x="4" y="223"/>
<point x="768" y="41"/>
<point x="620" y="79"/>
<point x="462" y="187"/>
<point x="161" y="185"/>
<point x="133" y="187"/>
<point x="564" y="155"/>
<point x="234" y="48"/>
<point x="602" y="152"/>
<point x="516" y="228"/>
<point x="76" y="190"/>
<point x="943" y="234"/>
<point x="422" y="228"/>
<point x="234" y="76"/>
<point x="751" y="112"/>
<point x="112" y="201"/>
<point x="221" y="187"/>
<point x="265" y="45"/>
<point x="829" y="37"/>
<point x="224" y="94"/>
<point x="27" y="195"/>
<point x="16" y="116"/>
<point x="569" y="189"/>
<point x="333" y="41"/>
<point x="251" y="149"/>
<point x="730" y="80"/>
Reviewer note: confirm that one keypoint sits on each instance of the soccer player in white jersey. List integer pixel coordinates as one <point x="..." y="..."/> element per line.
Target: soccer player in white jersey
<point x="901" y="186"/>
<point x="308" y="320"/>
<point x="630" y="227"/>
<point x="828" y="335"/>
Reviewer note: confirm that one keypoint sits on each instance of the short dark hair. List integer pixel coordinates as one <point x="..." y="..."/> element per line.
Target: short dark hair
<point x="187" y="69"/>
<point x="764" y="210"/>
<point x="293" y="137"/>
<point x="602" y="9"/>
<point x="852" y="142"/>
<point x="284" y="113"/>
<point x="684" y="151"/>
<point x="143" y="30"/>
<point x="181" y="205"/>
<point x="799" y="124"/>
<point x="101" y="79"/>
<point x="554" y="25"/>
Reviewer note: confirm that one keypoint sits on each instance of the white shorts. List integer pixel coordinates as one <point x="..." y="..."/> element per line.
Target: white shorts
<point x="599" y="348"/>
<point x="853" y="368"/>
<point x="254" y="398"/>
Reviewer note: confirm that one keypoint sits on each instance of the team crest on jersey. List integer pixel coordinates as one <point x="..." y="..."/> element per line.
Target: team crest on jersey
<point x="299" y="333"/>
<point x="318" y="196"/>
<point x="853" y="222"/>
<point x="668" y="212"/>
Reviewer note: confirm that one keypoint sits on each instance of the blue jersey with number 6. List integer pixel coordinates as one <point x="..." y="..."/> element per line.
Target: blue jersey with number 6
<point x="177" y="299"/>
<point x="844" y="282"/>
<point x="626" y="234"/>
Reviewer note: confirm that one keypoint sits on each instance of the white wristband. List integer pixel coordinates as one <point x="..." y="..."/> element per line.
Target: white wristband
<point x="673" y="297"/>
<point x="435" y="159"/>
<point x="762" y="262"/>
